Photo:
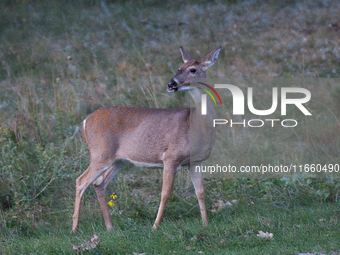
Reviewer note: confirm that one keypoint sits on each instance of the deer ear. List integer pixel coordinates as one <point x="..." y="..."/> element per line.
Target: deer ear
<point x="185" y="55"/>
<point x="211" y="58"/>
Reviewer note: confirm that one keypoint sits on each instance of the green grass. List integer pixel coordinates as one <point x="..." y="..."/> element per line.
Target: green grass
<point x="232" y="230"/>
<point x="60" y="61"/>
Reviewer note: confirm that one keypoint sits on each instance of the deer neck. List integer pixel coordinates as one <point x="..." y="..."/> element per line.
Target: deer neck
<point x="196" y="95"/>
<point x="202" y="132"/>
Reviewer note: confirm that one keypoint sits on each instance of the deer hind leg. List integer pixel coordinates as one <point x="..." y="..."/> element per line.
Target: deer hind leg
<point x="197" y="181"/>
<point x="89" y="176"/>
<point x="100" y="185"/>
<point x="169" y="174"/>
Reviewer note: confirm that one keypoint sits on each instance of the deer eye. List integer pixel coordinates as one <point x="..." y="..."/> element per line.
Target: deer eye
<point x="193" y="70"/>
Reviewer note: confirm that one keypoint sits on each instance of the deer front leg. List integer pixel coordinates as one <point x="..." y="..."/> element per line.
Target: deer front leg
<point x="169" y="174"/>
<point x="197" y="181"/>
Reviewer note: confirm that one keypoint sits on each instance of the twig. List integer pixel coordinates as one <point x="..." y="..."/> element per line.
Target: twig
<point x="45" y="187"/>
<point x="191" y="209"/>
<point x="10" y="235"/>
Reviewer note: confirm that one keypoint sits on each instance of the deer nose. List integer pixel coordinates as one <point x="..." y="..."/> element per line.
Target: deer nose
<point x="172" y="83"/>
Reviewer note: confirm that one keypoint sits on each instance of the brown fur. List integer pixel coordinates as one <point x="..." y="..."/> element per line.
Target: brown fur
<point x="150" y="137"/>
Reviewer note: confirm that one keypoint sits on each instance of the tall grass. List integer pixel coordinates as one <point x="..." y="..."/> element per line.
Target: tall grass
<point x="61" y="60"/>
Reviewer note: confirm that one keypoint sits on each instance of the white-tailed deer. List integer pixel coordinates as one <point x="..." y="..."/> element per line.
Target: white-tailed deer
<point x="150" y="137"/>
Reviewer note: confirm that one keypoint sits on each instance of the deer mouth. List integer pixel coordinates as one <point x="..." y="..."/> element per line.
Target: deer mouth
<point x="172" y="86"/>
<point x="172" y="89"/>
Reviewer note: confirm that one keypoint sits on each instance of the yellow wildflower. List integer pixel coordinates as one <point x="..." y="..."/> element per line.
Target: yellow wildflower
<point x="111" y="203"/>
<point x="113" y="196"/>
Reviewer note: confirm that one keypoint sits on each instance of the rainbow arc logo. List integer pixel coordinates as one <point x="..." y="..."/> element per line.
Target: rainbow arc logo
<point x="204" y="97"/>
<point x="209" y="93"/>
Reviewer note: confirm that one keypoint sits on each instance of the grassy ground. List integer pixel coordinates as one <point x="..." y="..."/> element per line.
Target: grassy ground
<point x="60" y="61"/>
